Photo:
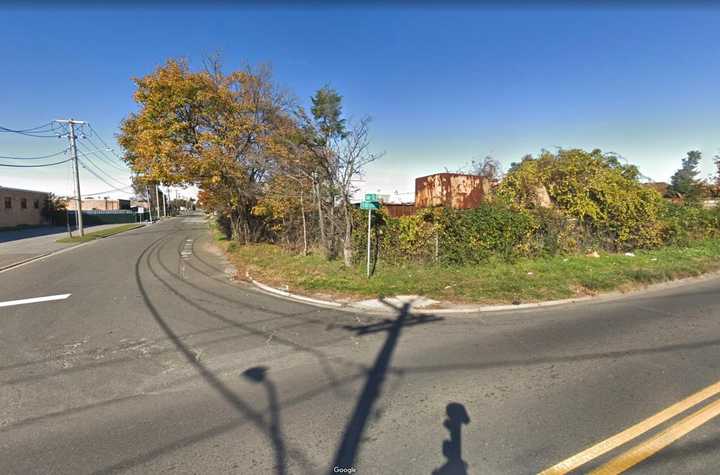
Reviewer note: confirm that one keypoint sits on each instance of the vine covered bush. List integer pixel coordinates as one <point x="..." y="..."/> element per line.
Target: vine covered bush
<point x="603" y="194"/>
<point x="451" y="236"/>
<point x="685" y="223"/>
<point x="595" y="203"/>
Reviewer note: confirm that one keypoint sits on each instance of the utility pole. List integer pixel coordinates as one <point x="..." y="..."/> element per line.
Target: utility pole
<point x="157" y="200"/>
<point x="147" y="190"/>
<point x="165" y="204"/>
<point x="76" y="166"/>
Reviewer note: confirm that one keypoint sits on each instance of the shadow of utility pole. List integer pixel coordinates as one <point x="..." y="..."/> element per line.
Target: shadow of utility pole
<point x="452" y="448"/>
<point x="258" y="374"/>
<point x="348" y="449"/>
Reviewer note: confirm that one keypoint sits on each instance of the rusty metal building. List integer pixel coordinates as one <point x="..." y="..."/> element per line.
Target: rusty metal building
<point x="398" y="210"/>
<point x="451" y="190"/>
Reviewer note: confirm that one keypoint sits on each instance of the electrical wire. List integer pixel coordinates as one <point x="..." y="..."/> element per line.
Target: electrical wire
<point x="101" y="155"/>
<point x="114" y="188"/>
<point x="35" y="166"/>
<point x="4" y="157"/>
<point x="32" y="132"/>
<point x="107" y="175"/>
<point x="103" y="142"/>
<point x="108" y="191"/>
<point x="31" y="129"/>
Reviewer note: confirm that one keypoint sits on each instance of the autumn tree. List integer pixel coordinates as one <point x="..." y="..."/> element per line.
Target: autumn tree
<point x="218" y="131"/>
<point x="259" y="160"/>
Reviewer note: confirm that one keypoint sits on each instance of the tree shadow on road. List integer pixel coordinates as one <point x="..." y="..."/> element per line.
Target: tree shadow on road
<point x="256" y="374"/>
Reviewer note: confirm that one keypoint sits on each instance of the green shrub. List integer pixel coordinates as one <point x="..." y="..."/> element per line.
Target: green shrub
<point x="449" y="236"/>
<point x="684" y="223"/>
<point x="492" y="229"/>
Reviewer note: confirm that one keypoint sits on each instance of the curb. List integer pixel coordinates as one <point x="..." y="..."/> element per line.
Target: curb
<point x="24" y="261"/>
<point x="53" y="253"/>
<point x="352" y="306"/>
<point x="286" y="294"/>
<point x="43" y="256"/>
<point x="609" y="296"/>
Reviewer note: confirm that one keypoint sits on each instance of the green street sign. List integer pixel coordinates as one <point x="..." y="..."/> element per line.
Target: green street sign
<point x="372" y="197"/>
<point x="369" y="205"/>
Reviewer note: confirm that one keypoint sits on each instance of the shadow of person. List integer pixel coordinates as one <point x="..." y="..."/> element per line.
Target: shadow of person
<point x="258" y="374"/>
<point x="452" y="448"/>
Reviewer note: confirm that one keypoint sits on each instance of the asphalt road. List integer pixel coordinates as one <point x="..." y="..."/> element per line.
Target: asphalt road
<point x="23" y="244"/>
<point x="157" y="364"/>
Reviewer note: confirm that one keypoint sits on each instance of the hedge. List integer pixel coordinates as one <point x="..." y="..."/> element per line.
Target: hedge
<point x="501" y="231"/>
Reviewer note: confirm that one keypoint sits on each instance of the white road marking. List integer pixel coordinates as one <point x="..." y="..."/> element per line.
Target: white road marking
<point x="11" y="303"/>
<point x="187" y="252"/>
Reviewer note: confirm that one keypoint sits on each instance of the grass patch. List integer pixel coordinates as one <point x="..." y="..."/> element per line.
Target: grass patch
<point x="100" y="234"/>
<point x="525" y="280"/>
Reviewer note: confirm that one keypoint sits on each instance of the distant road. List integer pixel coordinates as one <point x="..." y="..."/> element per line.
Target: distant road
<point x="156" y="363"/>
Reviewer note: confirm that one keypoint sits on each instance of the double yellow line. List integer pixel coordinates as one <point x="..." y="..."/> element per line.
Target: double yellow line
<point x="651" y="446"/>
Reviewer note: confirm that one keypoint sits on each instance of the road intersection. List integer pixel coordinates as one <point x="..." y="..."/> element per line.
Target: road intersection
<point x="156" y="362"/>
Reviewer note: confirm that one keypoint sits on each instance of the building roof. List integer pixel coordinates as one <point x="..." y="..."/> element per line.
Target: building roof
<point x="21" y="189"/>
<point x="450" y="174"/>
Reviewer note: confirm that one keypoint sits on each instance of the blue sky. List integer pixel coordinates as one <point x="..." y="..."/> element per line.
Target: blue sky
<point x="443" y="86"/>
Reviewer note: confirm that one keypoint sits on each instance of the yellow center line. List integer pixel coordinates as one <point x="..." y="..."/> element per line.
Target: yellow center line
<point x="656" y="443"/>
<point x="631" y="433"/>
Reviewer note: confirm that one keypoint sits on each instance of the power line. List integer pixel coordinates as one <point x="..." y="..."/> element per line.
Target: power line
<point x="35" y="166"/>
<point x="31" y="129"/>
<point x="106" y="174"/>
<point x="101" y="155"/>
<point x="109" y="191"/>
<point x="35" y="158"/>
<point x="103" y="142"/>
<point x="114" y="188"/>
<point x="40" y="131"/>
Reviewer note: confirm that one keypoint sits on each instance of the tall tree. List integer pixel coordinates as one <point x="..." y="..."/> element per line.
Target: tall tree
<point x="326" y="132"/>
<point x="684" y="182"/>
<point x="716" y="178"/>
<point x="327" y="111"/>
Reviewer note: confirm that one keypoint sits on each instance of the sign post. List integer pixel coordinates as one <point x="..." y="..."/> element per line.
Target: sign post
<point x="368" y="246"/>
<point x="370" y="203"/>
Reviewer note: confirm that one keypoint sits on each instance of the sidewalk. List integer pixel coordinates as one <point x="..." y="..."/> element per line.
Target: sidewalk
<point x="23" y="244"/>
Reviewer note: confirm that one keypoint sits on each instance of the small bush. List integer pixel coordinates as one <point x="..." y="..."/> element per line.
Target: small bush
<point x="684" y="223"/>
<point x="492" y="229"/>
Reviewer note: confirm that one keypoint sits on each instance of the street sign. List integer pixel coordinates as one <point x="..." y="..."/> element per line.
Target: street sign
<point x="371" y="197"/>
<point x="369" y="205"/>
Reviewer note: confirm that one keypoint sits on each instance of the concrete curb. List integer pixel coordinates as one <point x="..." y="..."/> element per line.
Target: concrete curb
<point x="24" y="261"/>
<point x="436" y="311"/>
<point x="286" y="294"/>
<point x="461" y="309"/>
